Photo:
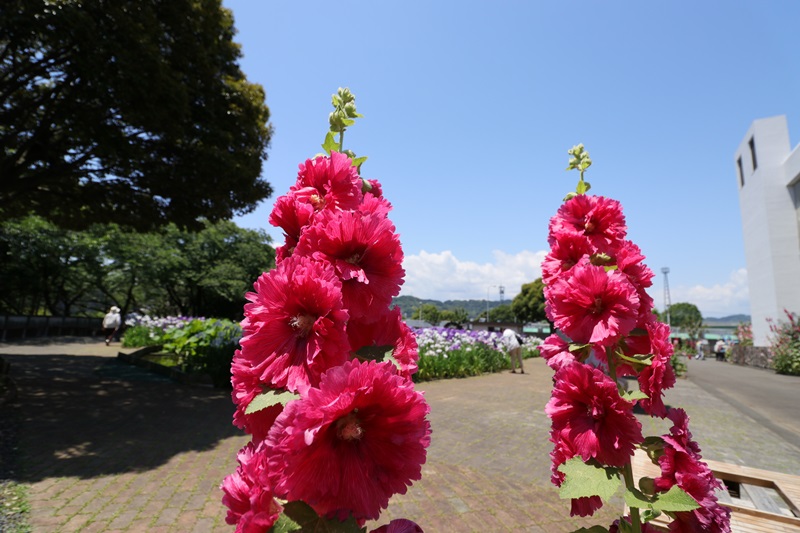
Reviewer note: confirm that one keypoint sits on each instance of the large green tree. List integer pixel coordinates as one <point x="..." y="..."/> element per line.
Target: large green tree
<point x="528" y="305"/>
<point x="687" y="317"/>
<point x="47" y="269"/>
<point x="133" y="112"/>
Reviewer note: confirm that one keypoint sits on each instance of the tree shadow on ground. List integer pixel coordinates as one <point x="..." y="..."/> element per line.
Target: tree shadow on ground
<point x="89" y="416"/>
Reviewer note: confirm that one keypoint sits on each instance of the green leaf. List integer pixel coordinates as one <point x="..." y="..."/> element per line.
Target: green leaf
<point x="284" y="524"/>
<point x="635" y="498"/>
<point x="308" y="520"/>
<point x="374" y="353"/>
<point x="330" y="143"/>
<point x="358" y="161"/>
<point x="636" y="394"/>
<point x="675" y="500"/>
<point x="582" y="187"/>
<point x="583" y="480"/>
<point x="268" y="399"/>
<point x="569" y="195"/>
<point x="593" y="529"/>
<point x="578" y="347"/>
<point x="638" y="359"/>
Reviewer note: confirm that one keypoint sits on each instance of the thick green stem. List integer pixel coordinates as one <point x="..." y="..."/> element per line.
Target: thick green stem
<point x="341" y="140"/>
<point x="627" y="470"/>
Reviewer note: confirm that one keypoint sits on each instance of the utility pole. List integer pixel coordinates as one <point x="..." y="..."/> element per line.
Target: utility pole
<point x="667" y="302"/>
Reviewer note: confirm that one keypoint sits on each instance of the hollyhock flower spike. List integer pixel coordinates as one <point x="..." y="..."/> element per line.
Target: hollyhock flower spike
<point x="321" y="381"/>
<point x="595" y="292"/>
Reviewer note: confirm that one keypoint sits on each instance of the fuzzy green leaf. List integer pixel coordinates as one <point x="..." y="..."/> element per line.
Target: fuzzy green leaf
<point x="635" y="394"/>
<point x="268" y="399"/>
<point x="582" y="187"/>
<point x="583" y="480"/>
<point x="309" y="521"/>
<point x="675" y="500"/>
<point x="569" y="196"/>
<point x="284" y="524"/>
<point x="374" y="353"/>
<point x="358" y="161"/>
<point x="593" y="529"/>
<point x="578" y="347"/>
<point x="635" y="498"/>
<point x="638" y="359"/>
<point x="330" y="143"/>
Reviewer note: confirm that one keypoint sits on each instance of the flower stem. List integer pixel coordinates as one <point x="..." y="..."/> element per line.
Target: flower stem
<point x="341" y="140"/>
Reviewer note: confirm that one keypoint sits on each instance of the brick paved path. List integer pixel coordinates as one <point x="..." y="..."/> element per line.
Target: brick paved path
<point x="109" y="447"/>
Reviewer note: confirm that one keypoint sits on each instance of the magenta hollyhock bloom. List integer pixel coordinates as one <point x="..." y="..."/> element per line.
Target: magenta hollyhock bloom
<point x="629" y="260"/>
<point x="567" y="250"/>
<point x="588" y="413"/>
<point x="246" y="386"/>
<point x="597" y="218"/>
<point x="555" y="352"/>
<point x="376" y="189"/>
<point x="399" y="525"/>
<point x="388" y="330"/>
<point x="251" y="505"/>
<point x="292" y="213"/>
<point x="295" y="324"/>
<point x="659" y="374"/>
<point x="365" y="253"/>
<point x="335" y="179"/>
<point x="591" y="305"/>
<point x="349" y="445"/>
<point x="681" y="465"/>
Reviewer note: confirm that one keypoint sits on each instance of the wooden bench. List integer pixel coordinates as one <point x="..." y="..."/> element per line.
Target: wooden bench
<point x="760" y="501"/>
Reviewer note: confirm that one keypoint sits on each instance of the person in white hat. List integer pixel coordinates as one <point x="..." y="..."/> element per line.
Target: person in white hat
<point x="111" y="323"/>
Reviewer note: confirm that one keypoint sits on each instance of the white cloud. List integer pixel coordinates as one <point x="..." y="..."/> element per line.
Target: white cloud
<point x="442" y="276"/>
<point x="722" y="299"/>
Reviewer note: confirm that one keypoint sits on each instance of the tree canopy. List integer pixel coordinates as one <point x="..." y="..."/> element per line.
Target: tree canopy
<point x="686" y="316"/>
<point x="133" y="112"/>
<point x="51" y="270"/>
<point x="528" y="305"/>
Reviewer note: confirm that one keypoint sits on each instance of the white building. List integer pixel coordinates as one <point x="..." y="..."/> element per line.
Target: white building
<point x="768" y="175"/>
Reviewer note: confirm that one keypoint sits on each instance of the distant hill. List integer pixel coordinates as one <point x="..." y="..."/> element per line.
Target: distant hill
<point x="407" y="305"/>
<point x="731" y="320"/>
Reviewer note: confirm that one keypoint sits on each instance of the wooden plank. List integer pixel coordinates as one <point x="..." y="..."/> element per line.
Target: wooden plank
<point x="761" y="497"/>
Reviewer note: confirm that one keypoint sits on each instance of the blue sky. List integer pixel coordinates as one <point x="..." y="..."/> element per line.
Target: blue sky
<point x="470" y="107"/>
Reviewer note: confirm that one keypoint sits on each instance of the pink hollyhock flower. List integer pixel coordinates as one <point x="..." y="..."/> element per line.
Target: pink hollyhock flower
<point x="376" y="189"/>
<point x="251" y="505"/>
<point x="555" y="352"/>
<point x="365" y="253"/>
<point x="247" y="386"/>
<point x="388" y="330"/>
<point x="335" y="179"/>
<point x="399" y="525"/>
<point x="377" y="205"/>
<point x="292" y="213"/>
<point x="365" y="428"/>
<point x="591" y="305"/>
<point x="566" y="251"/>
<point x="294" y="326"/>
<point x="658" y="375"/>
<point x="597" y="218"/>
<point x="628" y="258"/>
<point x="681" y="465"/>
<point x="588" y="413"/>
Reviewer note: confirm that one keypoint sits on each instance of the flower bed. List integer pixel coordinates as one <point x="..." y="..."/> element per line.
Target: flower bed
<point x="453" y="353"/>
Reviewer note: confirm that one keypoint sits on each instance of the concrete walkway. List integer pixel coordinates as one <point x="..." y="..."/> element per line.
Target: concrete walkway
<point x="109" y="447"/>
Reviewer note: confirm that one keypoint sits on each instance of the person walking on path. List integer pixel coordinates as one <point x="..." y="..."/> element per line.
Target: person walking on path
<point x="719" y="350"/>
<point x="514" y="346"/>
<point x="111" y="323"/>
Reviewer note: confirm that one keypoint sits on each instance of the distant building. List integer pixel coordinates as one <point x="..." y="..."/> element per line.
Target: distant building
<point x="768" y="175"/>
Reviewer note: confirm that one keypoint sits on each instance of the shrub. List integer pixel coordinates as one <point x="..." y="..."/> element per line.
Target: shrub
<point x="785" y="345"/>
<point x="141" y="336"/>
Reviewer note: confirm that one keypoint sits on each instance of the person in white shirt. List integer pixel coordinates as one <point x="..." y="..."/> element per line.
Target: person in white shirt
<point x="111" y="323"/>
<point x="514" y="350"/>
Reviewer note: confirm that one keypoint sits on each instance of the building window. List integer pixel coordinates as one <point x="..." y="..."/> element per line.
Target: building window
<point x="741" y="172"/>
<point x="753" y="152"/>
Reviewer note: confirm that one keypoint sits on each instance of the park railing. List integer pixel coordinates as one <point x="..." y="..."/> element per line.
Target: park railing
<point x="22" y="327"/>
